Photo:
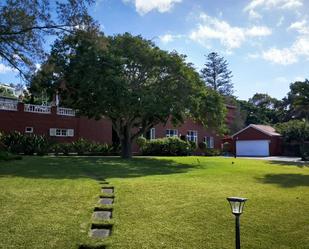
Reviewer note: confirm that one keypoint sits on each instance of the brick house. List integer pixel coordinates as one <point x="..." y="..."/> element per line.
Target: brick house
<point x="62" y="125"/>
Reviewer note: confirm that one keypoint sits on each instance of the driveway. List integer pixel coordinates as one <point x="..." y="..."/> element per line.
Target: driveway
<point x="276" y="158"/>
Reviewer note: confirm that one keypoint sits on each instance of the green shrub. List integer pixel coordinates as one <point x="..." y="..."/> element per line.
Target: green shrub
<point x="81" y="146"/>
<point x="6" y="156"/>
<point x="212" y="152"/>
<point x="171" y="146"/>
<point x="304" y="152"/>
<point x="27" y="144"/>
<point x="141" y="142"/>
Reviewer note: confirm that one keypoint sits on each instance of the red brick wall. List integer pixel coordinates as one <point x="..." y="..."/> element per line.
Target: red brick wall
<point x="99" y="131"/>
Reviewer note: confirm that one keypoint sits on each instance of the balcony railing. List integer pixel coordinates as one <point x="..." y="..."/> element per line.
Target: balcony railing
<point x="8" y="105"/>
<point x="65" y="111"/>
<point x="37" y="109"/>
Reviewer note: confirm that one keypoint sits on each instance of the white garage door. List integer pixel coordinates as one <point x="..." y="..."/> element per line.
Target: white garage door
<point x="252" y="148"/>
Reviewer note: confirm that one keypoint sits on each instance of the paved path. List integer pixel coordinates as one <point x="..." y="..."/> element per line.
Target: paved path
<point x="276" y="158"/>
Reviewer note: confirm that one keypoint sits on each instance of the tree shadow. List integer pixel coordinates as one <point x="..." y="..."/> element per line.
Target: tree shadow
<point x="97" y="168"/>
<point x="297" y="164"/>
<point x="286" y="180"/>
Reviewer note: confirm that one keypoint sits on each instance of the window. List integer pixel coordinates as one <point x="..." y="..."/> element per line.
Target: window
<point x="29" y="130"/>
<point x="152" y="133"/>
<point x="57" y="132"/>
<point x="192" y="136"/>
<point x="209" y="141"/>
<point x="171" y="133"/>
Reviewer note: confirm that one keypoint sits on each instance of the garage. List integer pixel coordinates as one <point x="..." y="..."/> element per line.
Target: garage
<point x="257" y="140"/>
<point x="252" y="148"/>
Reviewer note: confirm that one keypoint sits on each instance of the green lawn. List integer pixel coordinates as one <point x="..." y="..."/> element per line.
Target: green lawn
<point x="177" y="202"/>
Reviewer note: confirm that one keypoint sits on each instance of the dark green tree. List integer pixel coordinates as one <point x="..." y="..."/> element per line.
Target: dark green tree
<point x="217" y="75"/>
<point x="130" y="81"/>
<point x="297" y="101"/>
<point x="24" y="24"/>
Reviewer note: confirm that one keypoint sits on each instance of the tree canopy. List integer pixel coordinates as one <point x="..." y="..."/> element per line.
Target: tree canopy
<point x="130" y="81"/>
<point x="217" y="75"/>
<point x="24" y="25"/>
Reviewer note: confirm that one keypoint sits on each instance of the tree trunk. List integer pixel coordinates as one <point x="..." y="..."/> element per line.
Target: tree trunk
<point x="126" y="143"/>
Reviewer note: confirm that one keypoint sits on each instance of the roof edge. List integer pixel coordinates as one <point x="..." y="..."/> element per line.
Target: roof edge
<point x="257" y="128"/>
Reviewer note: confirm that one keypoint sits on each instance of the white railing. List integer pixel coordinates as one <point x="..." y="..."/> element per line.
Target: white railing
<point x="8" y="105"/>
<point x="65" y="111"/>
<point x="37" y="109"/>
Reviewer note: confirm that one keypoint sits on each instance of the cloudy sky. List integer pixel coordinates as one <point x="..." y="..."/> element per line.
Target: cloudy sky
<point x="266" y="42"/>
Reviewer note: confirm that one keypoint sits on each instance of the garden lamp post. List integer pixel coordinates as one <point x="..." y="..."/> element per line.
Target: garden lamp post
<point x="237" y="205"/>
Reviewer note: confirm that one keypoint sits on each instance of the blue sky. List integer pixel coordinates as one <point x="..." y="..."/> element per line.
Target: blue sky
<point x="266" y="42"/>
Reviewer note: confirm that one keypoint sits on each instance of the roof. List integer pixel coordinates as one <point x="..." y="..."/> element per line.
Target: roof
<point x="266" y="129"/>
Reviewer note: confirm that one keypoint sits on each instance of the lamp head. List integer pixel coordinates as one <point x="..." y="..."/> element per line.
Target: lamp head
<point x="237" y="204"/>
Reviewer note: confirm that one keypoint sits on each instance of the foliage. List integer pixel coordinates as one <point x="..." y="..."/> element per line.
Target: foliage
<point x="6" y="92"/>
<point x="171" y="146"/>
<point x="6" y="156"/>
<point x="304" y="151"/>
<point x="25" y="24"/>
<point x="298" y="100"/>
<point x="130" y="81"/>
<point x="208" y="151"/>
<point x="17" y="142"/>
<point x="141" y="142"/>
<point x="217" y="75"/>
<point x="294" y="130"/>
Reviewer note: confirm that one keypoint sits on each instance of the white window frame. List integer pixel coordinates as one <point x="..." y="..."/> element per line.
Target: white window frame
<point x="152" y="133"/>
<point x="209" y="141"/>
<point x="192" y="136"/>
<point x="61" y="132"/>
<point x="171" y="133"/>
<point x="28" y="129"/>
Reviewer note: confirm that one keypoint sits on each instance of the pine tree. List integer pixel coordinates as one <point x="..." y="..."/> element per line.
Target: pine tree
<point x="217" y="75"/>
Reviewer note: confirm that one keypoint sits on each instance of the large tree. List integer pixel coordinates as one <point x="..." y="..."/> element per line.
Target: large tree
<point x="297" y="101"/>
<point x="217" y="75"/>
<point x="130" y="81"/>
<point x="24" y="25"/>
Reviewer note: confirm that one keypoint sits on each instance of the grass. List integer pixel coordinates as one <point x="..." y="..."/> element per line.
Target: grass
<point x="177" y="202"/>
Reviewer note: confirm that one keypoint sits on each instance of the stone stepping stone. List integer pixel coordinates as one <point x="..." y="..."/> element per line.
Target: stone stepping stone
<point x="102" y="215"/>
<point x="99" y="233"/>
<point x="108" y="190"/>
<point x="106" y="201"/>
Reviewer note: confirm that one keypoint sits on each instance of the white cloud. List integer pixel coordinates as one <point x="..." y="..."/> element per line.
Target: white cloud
<point x="145" y="6"/>
<point x="229" y="36"/>
<point x="5" y="69"/>
<point x="291" y="55"/>
<point x="280" y="56"/>
<point x="167" y="38"/>
<point x="269" y="4"/>
<point x="301" y="27"/>
<point x="258" y="31"/>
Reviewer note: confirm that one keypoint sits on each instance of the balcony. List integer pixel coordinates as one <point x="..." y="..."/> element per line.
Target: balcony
<point x="37" y="109"/>
<point x="65" y="111"/>
<point x="8" y="105"/>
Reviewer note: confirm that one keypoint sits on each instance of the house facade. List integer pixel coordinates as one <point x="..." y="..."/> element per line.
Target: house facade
<point x="63" y="125"/>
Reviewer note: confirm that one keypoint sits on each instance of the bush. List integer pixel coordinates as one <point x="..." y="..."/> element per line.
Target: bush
<point x="212" y="152"/>
<point x="209" y="151"/>
<point x="171" y="146"/>
<point x="81" y="146"/>
<point x="6" y="156"/>
<point x="17" y="142"/>
<point x="141" y="142"/>
<point x="304" y="152"/>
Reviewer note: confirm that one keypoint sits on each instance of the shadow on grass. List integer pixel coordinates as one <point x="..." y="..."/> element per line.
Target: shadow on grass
<point x="301" y="164"/>
<point x="90" y="167"/>
<point x="286" y="180"/>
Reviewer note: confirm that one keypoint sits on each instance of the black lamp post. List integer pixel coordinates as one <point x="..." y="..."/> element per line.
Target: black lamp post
<point x="237" y="206"/>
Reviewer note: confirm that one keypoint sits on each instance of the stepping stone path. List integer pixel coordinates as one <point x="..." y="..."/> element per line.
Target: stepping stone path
<point x="106" y="190"/>
<point x="103" y="231"/>
<point x="100" y="233"/>
<point x="102" y="215"/>
<point x="106" y="201"/>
